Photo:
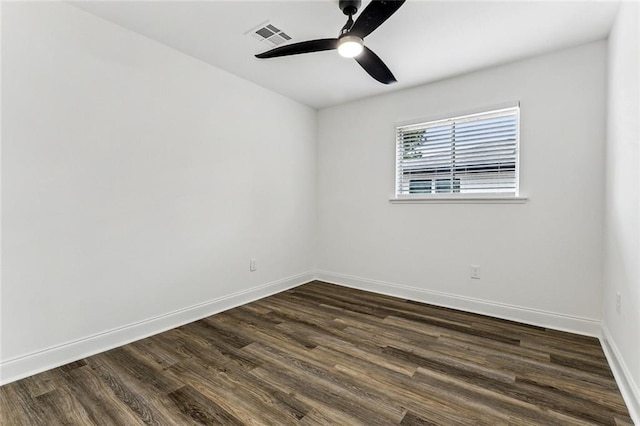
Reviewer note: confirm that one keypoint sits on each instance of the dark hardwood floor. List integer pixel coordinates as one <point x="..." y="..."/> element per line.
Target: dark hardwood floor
<point x="323" y="354"/>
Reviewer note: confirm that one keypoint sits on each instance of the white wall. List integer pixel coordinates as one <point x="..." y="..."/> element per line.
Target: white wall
<point x="137" y="183"/>
<point x="622" y="218"/>
<point x="540" y="261"/>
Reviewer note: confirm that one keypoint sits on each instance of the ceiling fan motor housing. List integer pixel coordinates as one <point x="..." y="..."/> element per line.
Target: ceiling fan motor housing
<point x="349" y="7"/>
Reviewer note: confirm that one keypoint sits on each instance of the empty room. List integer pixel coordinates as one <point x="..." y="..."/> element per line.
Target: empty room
<point x="320" y="212"/>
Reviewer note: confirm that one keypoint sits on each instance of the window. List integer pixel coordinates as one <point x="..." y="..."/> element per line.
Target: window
<point x="426" y="186"/>
<point x="474" y="154"/>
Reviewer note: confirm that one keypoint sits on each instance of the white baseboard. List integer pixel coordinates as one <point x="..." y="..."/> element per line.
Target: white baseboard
<point x="540" y="318"/>
<point x="37" y="362"/>
<point x="628" y="387"/>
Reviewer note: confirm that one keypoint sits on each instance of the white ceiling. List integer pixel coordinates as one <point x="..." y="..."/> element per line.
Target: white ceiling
<point x="423" y="42"/>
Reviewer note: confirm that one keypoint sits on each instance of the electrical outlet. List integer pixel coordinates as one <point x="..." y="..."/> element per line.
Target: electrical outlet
<point x="252" y="264"/>
<point x="475" y="272"/>
<point x="618" y="301"/>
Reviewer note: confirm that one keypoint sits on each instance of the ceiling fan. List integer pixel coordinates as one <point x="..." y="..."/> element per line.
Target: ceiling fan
<point x="350" y="42"/>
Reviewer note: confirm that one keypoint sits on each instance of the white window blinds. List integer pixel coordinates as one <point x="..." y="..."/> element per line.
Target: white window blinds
<point x="471" y="154"/>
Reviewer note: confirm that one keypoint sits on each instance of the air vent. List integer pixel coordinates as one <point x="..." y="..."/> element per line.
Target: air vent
<point x="269" y="34"/>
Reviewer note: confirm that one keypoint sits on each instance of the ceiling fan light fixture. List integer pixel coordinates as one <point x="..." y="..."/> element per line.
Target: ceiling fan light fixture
<point x="350" y="46"/>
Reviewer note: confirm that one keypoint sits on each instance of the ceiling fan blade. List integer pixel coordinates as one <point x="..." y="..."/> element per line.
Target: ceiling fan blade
<point x="373" y="65"/>
<point x="374" y="15"/>
<point x="302" y="47"/>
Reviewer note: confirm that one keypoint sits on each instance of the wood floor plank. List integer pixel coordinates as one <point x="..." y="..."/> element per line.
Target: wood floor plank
<point x="242" y="399"/>
<point x="304" y="313"/>
<point x="63" y="408"/>
<point x="144" y="370"/>
<point x="154" y="351"/>
<point x="437" y="406"/>
<point x="141" y="399"/>
<point x="481" y="393"/>
<point x="100" y="402"/>
<point x="336" y="391"/>
<point x="17" y="407"/>
<point x="200" y="408"/>
<point x="229" y="350"/>
<point x="373" y="355"/>
<point x="544" y="397"/>
<point x="326" y="408"/>
<point x="45" y="382"/>
<point x="323" y="354"/>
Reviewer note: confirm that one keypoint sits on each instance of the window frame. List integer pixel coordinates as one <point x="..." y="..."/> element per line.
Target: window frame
<point x="457" y="197"/>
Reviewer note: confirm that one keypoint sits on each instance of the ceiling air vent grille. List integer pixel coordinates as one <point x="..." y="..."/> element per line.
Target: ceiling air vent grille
<point x="269" y="34"/>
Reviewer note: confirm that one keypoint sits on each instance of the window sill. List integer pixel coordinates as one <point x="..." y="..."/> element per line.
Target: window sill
<point x="448" y="199"/>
